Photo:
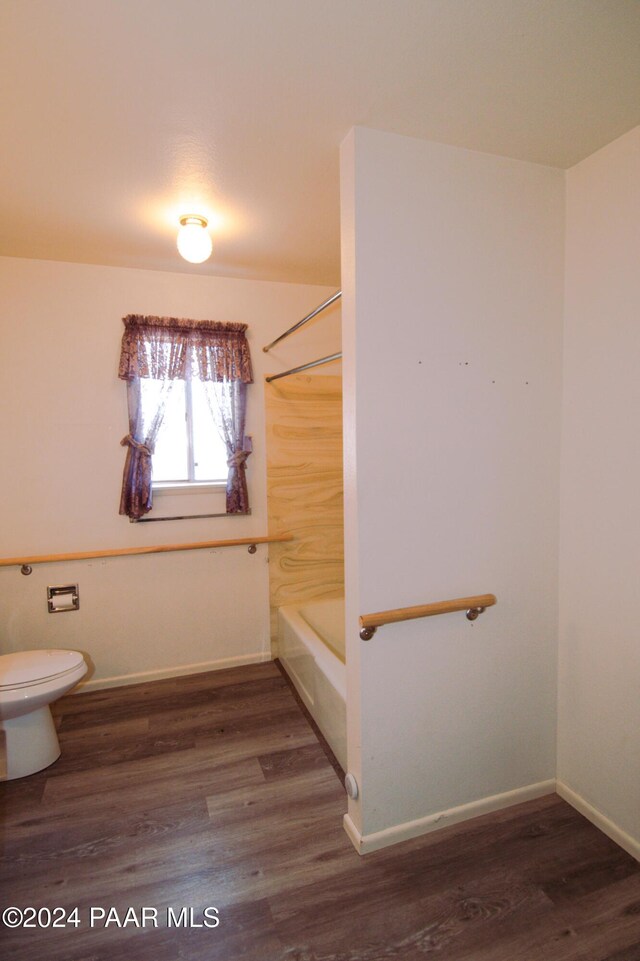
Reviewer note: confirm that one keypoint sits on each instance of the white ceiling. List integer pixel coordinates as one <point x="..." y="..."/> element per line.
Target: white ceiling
<point x="117" y="116"/>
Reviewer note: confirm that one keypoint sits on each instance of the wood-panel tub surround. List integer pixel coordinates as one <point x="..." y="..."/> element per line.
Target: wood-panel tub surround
<point x="304" y="488"/>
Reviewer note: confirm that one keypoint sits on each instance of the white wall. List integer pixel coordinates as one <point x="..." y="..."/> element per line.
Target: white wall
<point x="62" y="414"/>
<point x="452" y="314"/>
<point x="599" y="704"/>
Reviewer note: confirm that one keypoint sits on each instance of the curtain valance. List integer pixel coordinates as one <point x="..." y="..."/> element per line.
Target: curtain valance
<point x="161" y="348"/>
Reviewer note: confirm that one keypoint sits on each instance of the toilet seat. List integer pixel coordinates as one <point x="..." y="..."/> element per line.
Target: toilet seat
<point x="26" y="668"/>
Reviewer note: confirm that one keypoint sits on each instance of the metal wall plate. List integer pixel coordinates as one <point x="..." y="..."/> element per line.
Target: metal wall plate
<point x="64" y="598"/>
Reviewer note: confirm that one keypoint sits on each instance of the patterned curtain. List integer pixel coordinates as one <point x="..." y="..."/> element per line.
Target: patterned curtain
<point x="136" y="497"/>
<point x="165" y="349"/>
<point x="228" y="405"/>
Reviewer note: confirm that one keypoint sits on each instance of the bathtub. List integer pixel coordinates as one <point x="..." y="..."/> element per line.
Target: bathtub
<point x="311" y="650"/>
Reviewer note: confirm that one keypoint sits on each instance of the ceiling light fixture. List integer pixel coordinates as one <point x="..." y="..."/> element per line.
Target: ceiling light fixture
<point x="194" y="242"/>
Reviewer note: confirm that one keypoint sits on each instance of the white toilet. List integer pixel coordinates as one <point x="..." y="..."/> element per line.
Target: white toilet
<point x="29" y="682"/>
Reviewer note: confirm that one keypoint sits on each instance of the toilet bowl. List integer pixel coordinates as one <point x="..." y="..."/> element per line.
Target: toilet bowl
<point x="29" y="682"/>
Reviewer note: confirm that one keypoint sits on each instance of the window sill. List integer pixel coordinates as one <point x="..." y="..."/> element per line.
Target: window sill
<point x="175" y="487"/>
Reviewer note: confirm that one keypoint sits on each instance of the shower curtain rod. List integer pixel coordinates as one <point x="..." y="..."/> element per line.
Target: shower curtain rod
<point x="304" y="320"/>
<point x="296" y="370"/>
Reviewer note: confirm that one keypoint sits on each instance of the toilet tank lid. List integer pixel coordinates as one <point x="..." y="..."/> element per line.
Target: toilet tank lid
<point x="24" y="667"/>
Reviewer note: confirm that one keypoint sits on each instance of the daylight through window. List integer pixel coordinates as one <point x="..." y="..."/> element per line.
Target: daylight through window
<point x="189" y="447"/>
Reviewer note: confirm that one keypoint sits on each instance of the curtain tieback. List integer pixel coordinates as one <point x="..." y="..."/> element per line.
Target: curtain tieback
<point x="238" y="459"/>
<point x="130" y="441"/>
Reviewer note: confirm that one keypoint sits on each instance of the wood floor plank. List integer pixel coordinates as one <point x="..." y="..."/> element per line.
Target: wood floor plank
<point x="92" y="702"/>
<point x="592" y="875"/>
<point x="298" y="836"/>
<point x="281" y="765"/>
<point x="246" y="933"/>
<point x="20" y="795"/>
<point x="118" y="749"/>
<point x="209" y="752"/>
<point x="78" y="839"/>
<point x="159" y="860"/>
<point x="214" y="790"/>
<point x="273" y="798"/>
<point x="584" y="931"/>
<point x="605" y="920"/>
<point x="137" y="701"/>
<point x="83" y="945"/>
<point x="191" y="777"/>
<point x="283" y="731"/>
<point x="441" y="861"/>
<point x="252" y="705"/>
<point x="630" y="953"/>
<point x="441" y="924"/>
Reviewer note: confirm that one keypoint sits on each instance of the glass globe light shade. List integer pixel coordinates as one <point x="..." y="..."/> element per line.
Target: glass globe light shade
<point x="194" y="242"/>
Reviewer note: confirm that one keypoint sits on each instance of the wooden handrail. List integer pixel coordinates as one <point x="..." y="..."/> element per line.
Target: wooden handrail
<point x="153" y="549"/>
<point x="472" y="605"/>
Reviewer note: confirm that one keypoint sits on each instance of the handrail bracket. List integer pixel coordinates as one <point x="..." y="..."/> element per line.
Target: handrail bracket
<point x="474" y="612"/>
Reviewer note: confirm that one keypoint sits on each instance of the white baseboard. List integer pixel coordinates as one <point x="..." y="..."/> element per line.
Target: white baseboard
<point x="601" y="821"/>
<point x="365" y="843"/>
<point x="121" y="680"/>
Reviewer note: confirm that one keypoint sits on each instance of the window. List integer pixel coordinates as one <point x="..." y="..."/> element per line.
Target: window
<point x="186" y="393"/>
<point x="189" y="448"/>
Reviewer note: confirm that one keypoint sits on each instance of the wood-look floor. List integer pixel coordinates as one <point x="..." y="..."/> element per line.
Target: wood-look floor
<point x="213" y="790"/>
